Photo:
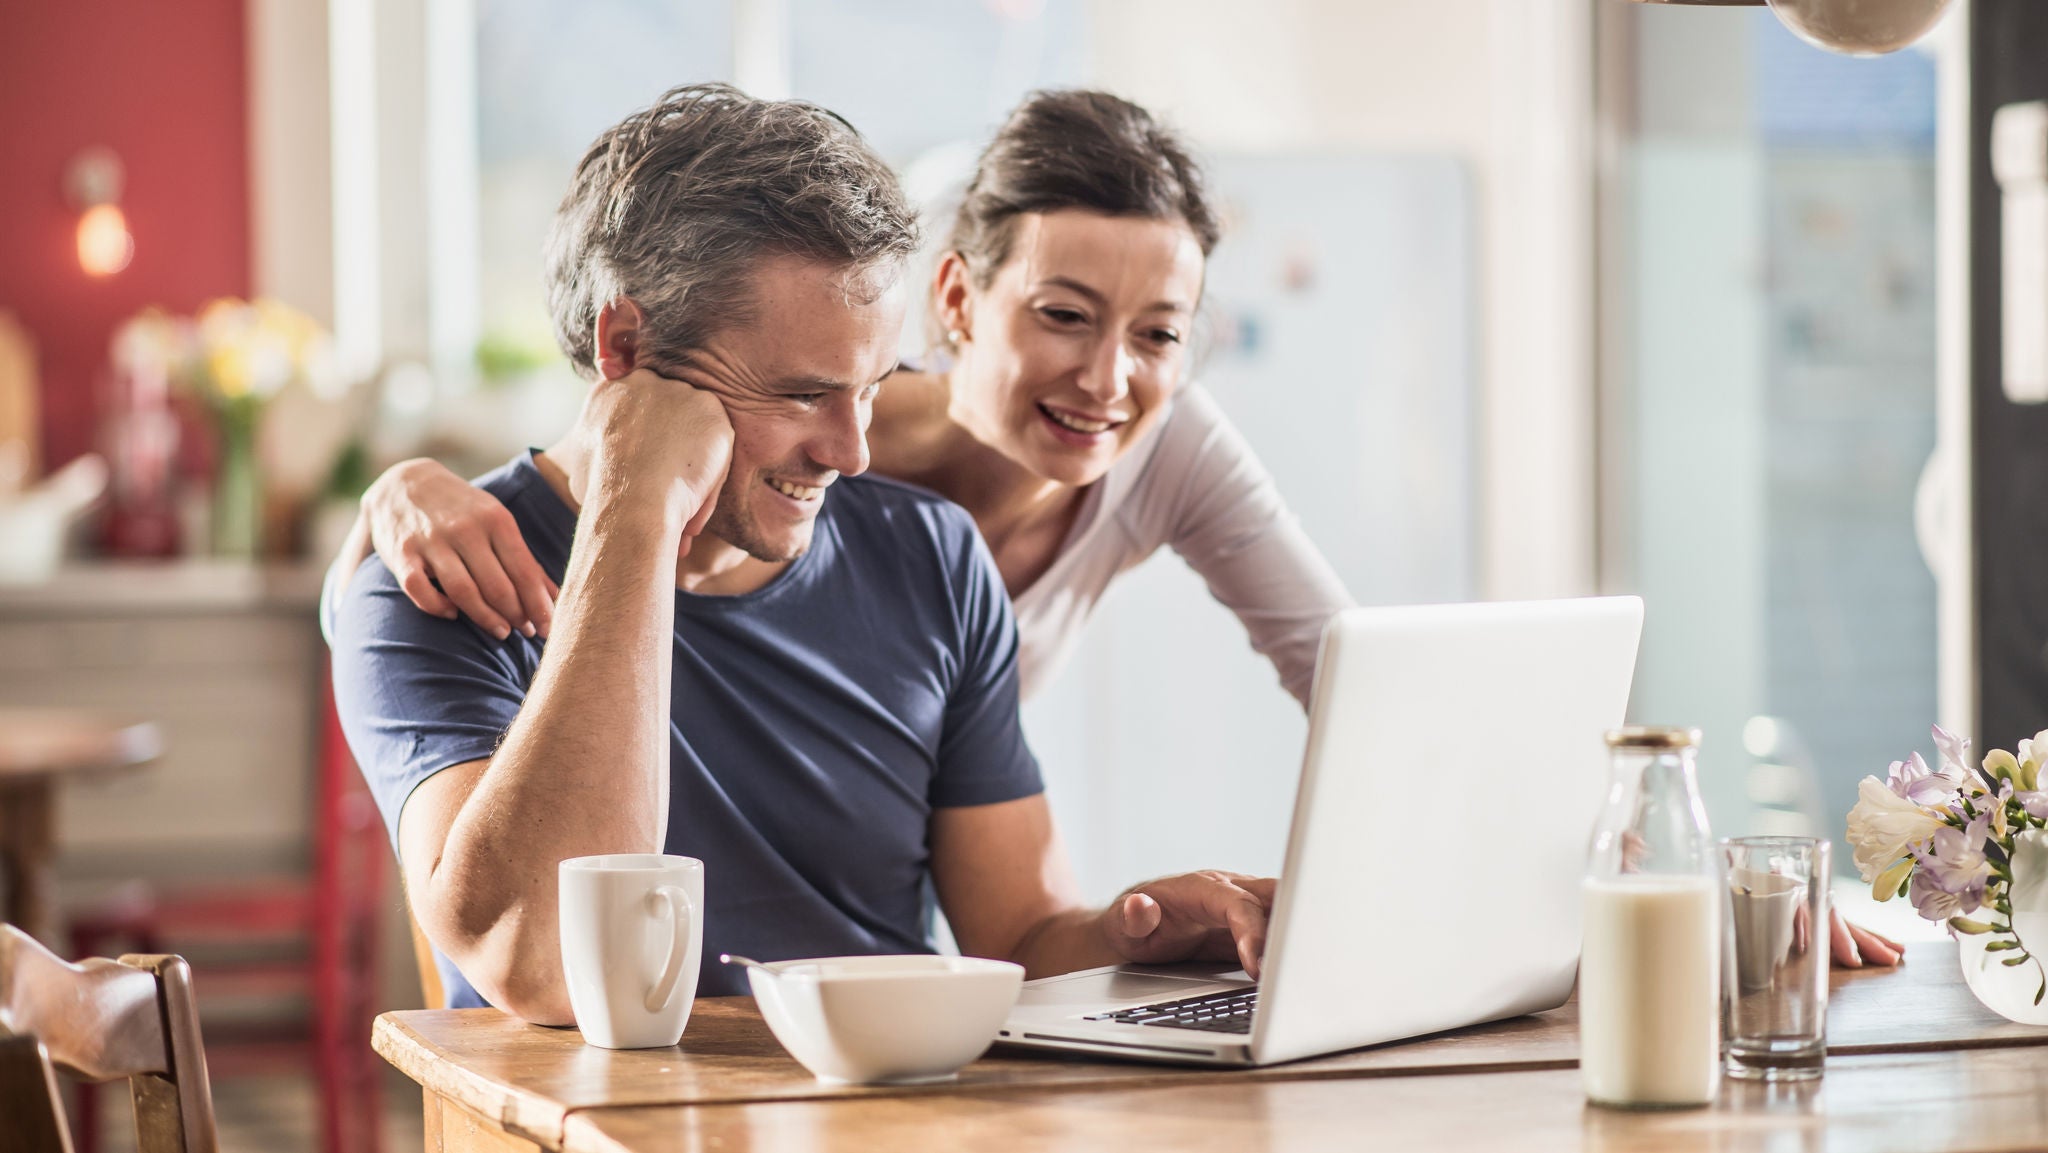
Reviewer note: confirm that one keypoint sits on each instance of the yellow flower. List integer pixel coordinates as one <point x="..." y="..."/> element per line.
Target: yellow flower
<point x="228" y="365"/>
<point x="237" y="351"/>
<point x="1887" y="884"/>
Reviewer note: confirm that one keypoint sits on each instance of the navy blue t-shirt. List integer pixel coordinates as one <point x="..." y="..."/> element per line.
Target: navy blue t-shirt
<point x="815" y="723"/>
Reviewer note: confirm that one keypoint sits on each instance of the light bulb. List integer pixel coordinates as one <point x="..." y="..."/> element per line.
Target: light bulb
<point x="104" y="244"/>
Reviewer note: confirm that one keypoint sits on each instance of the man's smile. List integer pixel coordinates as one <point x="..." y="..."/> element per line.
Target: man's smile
<point x="797" y="492"/>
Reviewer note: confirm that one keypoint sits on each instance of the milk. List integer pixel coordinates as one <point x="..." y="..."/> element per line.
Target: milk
<point x="1650" y="989"/>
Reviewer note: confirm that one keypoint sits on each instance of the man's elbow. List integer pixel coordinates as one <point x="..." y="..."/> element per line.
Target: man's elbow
<point x="510" y="966"/>
<point x="536" y="998"/>
<point x="523" y="979"/>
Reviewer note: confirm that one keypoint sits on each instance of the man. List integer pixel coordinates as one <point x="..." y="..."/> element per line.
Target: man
<point x="807" y="681"/>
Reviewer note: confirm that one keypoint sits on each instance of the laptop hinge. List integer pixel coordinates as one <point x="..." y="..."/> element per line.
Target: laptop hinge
<point x="1114" y="1044"/>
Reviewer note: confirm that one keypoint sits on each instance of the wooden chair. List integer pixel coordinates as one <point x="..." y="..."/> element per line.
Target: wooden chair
<point x="329" y="916"/>
<point x="101" y="1020"/>
<point x="432" y="995"/>
<point x="19" y="390"/>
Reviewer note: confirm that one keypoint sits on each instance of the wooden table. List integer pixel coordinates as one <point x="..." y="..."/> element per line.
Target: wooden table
<point x="39" y="748"/>
<point x="1915" y="1063"/>
<point x="1914" y="1103"/>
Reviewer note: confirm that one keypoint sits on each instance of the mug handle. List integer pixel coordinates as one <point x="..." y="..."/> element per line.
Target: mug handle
<point x="684" y="914"/>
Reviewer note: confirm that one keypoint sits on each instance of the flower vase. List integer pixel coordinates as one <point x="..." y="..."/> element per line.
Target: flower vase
<point x="2009" y="990"/>
<point x="238" y="490"/>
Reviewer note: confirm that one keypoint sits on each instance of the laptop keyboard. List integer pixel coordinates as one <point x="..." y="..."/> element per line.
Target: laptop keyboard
<point x="1229" y="1012"/>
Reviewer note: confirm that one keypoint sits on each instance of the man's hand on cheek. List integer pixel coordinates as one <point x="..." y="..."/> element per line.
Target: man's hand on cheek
<point x="658" y="439"/>
<point x="1210" y="916"/>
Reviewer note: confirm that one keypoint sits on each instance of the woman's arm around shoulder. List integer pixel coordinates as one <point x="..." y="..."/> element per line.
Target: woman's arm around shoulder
<point x="452" y="547"/>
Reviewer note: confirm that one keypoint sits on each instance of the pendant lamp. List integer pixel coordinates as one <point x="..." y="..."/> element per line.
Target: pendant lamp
<point x="1851" y="27"/>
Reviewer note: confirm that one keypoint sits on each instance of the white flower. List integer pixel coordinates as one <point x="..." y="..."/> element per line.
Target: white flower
<point x="2034" y="750"/>
<point x="1884" y="825"/>
<point x="149" y="344"/>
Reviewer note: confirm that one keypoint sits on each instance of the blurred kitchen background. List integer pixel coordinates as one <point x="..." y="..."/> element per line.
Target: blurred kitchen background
<point x="1518" y="298"/>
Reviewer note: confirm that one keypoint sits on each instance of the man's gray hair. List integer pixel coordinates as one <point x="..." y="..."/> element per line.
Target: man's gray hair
<point x="672" y="206"/>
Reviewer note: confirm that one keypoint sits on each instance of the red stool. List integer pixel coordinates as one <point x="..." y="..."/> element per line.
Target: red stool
<point x="334" y="912"/>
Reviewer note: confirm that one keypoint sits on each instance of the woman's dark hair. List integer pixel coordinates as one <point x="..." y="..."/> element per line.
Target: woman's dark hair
<point x="1075" y="148"/>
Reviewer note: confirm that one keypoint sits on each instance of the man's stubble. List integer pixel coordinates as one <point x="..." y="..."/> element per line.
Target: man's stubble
<point x="739" y="530"/>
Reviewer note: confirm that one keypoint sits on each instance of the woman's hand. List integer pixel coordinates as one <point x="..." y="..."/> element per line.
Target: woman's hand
<point x="432" y="528"/>
<point x="1854" y="947"/>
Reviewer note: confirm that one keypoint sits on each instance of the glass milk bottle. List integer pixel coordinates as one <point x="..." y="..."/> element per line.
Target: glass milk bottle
<point x="1650" y="975"/>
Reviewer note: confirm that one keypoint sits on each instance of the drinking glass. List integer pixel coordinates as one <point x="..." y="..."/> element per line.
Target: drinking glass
<point x="1775" y="996"/>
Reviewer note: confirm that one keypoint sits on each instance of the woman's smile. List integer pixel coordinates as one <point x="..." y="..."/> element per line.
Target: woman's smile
<point x="1083" y="430"/>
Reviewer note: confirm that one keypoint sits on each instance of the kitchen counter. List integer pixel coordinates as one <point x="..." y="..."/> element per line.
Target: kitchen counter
<point x="158" y="587"/>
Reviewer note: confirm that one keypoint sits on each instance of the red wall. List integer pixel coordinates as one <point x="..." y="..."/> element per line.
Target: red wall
<point x="163" y="85"/>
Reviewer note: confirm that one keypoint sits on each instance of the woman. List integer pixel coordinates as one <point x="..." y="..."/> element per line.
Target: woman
<point x="1059" y="420"/>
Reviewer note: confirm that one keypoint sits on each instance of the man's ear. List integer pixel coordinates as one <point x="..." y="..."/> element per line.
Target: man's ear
<point x="618" y="338"/>
<point x="955" y="297"/>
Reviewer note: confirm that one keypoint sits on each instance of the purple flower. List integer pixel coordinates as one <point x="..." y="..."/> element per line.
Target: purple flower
<point x="1913" y="780"/>
<point x="2034" y="801"/>
<point x="1955" y="751"/>
<point x="1933" y="902"/>
<point x="1951" y="873"/>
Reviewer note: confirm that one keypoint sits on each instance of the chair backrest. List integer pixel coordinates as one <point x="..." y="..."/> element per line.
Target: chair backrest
<point x="18" y="391"/>
<point x="105" y="1020"/>
<point x="431" y="992"/>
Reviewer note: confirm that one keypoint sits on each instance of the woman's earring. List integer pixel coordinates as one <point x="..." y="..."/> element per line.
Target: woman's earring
<point x="952" y="336"/>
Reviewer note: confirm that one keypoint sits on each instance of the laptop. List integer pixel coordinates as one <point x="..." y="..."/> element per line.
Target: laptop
<point x="1454" y="769"/>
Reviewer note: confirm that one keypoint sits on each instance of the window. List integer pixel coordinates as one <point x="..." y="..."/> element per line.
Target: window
<point x="549" y="78"/>
<point x="1770" y="298"/>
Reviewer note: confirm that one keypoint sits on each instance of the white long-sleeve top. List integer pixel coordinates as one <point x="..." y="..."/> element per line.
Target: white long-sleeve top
<point x="1193" y="484"/>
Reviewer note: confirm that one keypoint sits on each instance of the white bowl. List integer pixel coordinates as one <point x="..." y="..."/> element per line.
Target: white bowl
<point x="887" y="1020"/>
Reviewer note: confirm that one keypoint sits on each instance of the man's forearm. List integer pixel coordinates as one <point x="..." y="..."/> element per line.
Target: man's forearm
<point x="582" y="770"/>
<point x="1064" y="942"/>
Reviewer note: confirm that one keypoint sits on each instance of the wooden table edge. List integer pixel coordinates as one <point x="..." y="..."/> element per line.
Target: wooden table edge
<point x="583" y="1128"/>
<point x="122" y="742"/>
<point x="519" y="1112"/>
<point x="1152" y="1077"/>
<point x="1165" y="1077"/>
<point x="1893" y="1048"/>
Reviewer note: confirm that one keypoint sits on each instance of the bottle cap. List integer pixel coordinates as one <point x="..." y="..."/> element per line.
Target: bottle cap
<point x="1653" y="737"/>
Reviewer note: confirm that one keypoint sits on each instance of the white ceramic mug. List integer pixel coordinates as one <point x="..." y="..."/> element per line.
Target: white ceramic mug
<point x="632" y="936"/>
